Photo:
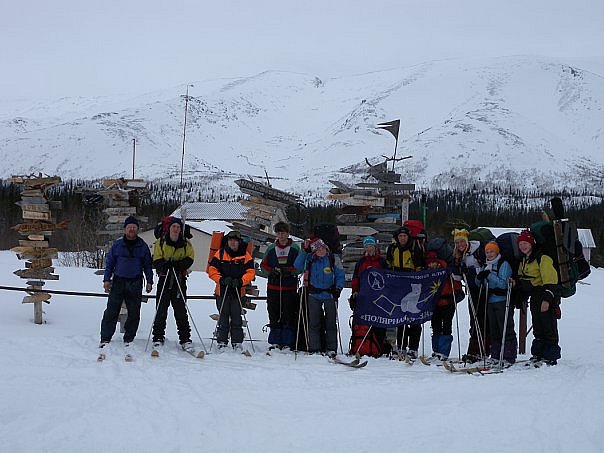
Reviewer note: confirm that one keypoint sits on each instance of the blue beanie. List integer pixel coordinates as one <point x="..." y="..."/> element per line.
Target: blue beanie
<point x="369" y="240"/>
<point x="131" y="220"/>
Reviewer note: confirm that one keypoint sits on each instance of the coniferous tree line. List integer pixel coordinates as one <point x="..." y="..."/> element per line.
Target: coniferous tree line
<point x="445" y="209"/>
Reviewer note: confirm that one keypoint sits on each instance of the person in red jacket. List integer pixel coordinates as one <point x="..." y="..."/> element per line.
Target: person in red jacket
<point x="442" y="319"/>
<point x="372" y="343"/>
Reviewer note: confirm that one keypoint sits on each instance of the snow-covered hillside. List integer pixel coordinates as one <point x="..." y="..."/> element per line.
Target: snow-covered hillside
<point x="534" y="122"/>
<point x="57" y="398"/>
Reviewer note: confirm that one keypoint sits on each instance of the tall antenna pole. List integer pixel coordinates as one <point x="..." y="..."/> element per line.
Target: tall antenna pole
<point x="394" y="157"/>
<point x="184" y="134"/>
<point x="133" y="155"/>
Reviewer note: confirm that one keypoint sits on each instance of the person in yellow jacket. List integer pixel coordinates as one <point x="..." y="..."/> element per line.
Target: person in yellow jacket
<point x="538" y="279"/>
<point x="232" y="268"/>
<point x="173" y="255"/>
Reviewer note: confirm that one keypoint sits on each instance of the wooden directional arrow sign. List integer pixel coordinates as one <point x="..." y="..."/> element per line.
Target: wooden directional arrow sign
<point x="39" y="227"/>
<point x="35" y="215"/>
<point x="38" y="297"/>
<point x="32" y="252"/>
<point x="353" y="230"/>
<point x="42" y="274"/>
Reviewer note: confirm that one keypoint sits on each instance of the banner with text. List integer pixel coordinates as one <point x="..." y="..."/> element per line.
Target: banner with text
<point x="389" y="299"/>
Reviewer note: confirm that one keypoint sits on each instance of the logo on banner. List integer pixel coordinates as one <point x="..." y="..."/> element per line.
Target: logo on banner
<point x="388" y="298"/>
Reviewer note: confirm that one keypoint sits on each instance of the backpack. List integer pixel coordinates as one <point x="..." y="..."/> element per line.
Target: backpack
<point x="443" y="249"/>
<point x="566" y="268"/>
<point x="329" y="234"/>
<point x="365" y="342"/>
<point x="416" y="228"/>
<point x="482" y="235"/>
<point x="508" y="249"/>
<point x="162" y="227"/>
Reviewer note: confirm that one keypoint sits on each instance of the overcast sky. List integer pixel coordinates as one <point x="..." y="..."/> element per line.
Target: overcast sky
<point x="84" y="48"/>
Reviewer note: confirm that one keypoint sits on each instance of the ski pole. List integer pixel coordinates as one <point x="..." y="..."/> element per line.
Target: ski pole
<point x="473" y="314"/>
<point x="157" y="302"/>
<point x="484" y="324"/>
<point x="189" y="311"/>
<point x="300" y="308"/>
<point x="226" y="289"/>
<point x="456" y="319"/>
<point x="362" y="341"/>
<point x="247" y="326"/>
<point x="505" y="324"/>
<point x="335" y="302"/>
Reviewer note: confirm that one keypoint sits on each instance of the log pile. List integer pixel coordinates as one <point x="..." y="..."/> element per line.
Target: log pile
<point x="120" y="198"/>
<point x="39" y="223"/>
<point x="375" y="208"/>
<point x="266" y="206"/>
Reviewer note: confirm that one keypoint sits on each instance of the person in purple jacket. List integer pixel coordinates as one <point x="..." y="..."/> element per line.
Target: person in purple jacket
<point x="127" y="260"/>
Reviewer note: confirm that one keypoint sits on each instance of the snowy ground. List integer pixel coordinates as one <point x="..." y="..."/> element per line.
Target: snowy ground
<point x="55" y="397"/>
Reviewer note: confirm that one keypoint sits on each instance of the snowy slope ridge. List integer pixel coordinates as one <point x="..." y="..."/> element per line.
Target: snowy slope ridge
<point x="532" y="122"/>
<point x="57" y="398"/>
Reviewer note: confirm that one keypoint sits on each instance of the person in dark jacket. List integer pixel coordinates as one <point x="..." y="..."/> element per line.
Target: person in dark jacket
<point x="364" y="343"/>
<point x="282" y="286"/>
<point x="128" y="259"/>
<point x="173" y="255"/>
<point x="442" y="319"/>
<point x="231" y="268"/>
<point x="403" y="256"/>
<point x="538" y="279"/>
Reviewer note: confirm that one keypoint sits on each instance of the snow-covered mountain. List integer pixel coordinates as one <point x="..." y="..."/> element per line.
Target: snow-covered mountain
<point x="530" y="122"/>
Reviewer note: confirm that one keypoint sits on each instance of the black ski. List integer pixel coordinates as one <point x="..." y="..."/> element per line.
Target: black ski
<point x="356" y="363"/>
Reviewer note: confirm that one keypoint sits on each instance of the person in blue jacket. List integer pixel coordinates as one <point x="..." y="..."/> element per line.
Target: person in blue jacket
<point x="325" y="282"/>
<point x="128" y="259"/>
<point x="496" y="274"/>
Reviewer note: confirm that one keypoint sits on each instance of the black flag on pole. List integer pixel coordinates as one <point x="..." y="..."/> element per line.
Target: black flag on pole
<point x="391" y="126"/>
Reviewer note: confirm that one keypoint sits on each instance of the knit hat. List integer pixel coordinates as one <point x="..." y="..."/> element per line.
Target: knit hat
<point x="234" y="234"/>
<point x="369" y="240"/>
<point x="316" y="244"/>
<point x="493" y="246"/>
<point x="461" y="234"/>
<point x="131" y="220"/>
<point x="174" y="220"/>
<point x="403" y="230"/>
<point x="526" y="236"/>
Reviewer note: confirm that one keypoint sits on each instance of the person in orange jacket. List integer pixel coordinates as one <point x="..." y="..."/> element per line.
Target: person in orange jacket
<point x="232" y="268"/>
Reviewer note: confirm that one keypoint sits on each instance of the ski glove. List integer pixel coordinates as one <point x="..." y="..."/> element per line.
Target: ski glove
<point x="226" y="281"/>
<point x="236" y="282"/>
<point x="352" y="301"/>
<point x="335" y="292"/>
<point x="275" y="272"/>
<point x="483" y="274"/>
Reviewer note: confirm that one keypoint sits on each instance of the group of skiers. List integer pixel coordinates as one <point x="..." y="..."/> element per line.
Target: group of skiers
<point x="489" y="282"/>
<point x="304" y="315"/>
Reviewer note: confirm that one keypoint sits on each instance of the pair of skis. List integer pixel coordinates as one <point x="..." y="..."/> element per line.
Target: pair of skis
<point x="128" y="357"/>
<point x="355" y="363"/>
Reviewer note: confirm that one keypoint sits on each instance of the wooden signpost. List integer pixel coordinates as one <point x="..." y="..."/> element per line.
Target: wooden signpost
<point x="376" y="207"/>
<point x="38" y="225"/>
